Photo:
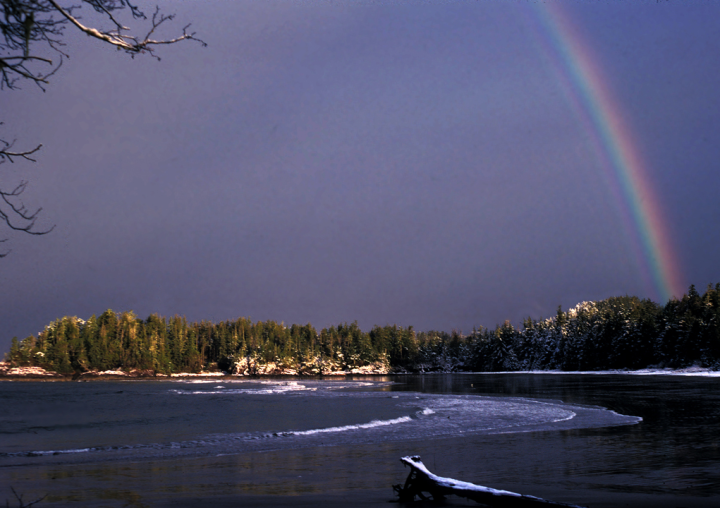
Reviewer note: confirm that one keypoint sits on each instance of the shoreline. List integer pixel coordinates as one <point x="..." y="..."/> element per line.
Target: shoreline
<point x="8" y="373"/>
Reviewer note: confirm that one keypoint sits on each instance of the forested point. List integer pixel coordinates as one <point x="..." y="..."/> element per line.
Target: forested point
<point x="617" y="333"/>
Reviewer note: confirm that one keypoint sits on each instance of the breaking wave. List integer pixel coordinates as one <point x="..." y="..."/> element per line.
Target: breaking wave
<point x="344" y="428"/>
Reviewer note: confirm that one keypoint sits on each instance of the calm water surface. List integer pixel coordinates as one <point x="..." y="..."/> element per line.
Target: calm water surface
<point x="596" y="440"/>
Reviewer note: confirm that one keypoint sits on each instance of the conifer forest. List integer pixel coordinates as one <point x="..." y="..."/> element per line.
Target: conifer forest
<point x="617" y="333"/>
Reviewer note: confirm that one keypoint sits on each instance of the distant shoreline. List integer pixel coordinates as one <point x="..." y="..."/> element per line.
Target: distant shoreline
<point x="8" y="373"/>
<point x="618" y="334"/>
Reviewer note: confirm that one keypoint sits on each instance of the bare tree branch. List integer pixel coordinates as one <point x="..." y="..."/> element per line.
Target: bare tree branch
<point x="7" y="154"/>
<point x="18" y="212"/>
<point x="119" y="38"/>
<point x="43" y="23"/>
<point x="12" y="210"/>
<point x="29" y="29"/>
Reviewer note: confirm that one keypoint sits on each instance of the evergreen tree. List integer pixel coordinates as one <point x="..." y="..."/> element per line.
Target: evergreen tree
<point x="618" y="333"/>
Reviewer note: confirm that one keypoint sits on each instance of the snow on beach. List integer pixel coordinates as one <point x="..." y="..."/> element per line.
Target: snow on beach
<point x="688" y="371"/>
<point x="31" y="372"/>
<point x="7" y="371"/>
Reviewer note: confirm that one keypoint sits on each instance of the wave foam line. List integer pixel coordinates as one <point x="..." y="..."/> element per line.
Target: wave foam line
<point x="242" y="391"/>
<point x="572" y="415"/>
<point x="43" y="453"/>
<point x="344" y="428"/>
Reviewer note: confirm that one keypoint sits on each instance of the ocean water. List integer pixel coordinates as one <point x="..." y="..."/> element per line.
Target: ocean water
<point x="594" y="440"/>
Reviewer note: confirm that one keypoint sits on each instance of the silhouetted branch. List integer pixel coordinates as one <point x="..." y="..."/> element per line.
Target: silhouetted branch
<point x="18" y="212"/>
<point x="31" y="28"/>
<point x="7" y="154"/>
<point x="12" y="210"/>
<point x="118" y="36"/>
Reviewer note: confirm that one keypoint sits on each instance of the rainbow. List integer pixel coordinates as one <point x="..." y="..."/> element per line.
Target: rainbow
<point x="585" y="87"/>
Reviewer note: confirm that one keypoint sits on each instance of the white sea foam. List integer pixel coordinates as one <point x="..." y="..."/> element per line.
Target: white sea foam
<point x="40" y="453"/>
<point x="568" y="417"/>
<point x="344" y="428"/>
<point x="278" y="389"/>
<point x="230" y="391"/>
<point x="433" y="416"/>
<point x="326" y="385"/>
<point x="271" y="387"/>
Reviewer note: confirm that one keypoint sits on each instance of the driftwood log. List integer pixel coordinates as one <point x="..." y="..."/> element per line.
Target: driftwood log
<point x="421" y="480"/>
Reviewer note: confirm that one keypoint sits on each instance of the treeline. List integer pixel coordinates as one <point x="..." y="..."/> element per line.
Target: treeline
<point x="617" y="333"/>
<point x="122" y="341"/>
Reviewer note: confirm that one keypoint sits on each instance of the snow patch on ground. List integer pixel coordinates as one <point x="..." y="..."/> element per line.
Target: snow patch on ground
<point x="688" y="371"/>
<point x="7" y="370"/>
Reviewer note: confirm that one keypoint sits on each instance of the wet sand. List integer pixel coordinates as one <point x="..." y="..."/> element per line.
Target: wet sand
<point x="551" y="465"/>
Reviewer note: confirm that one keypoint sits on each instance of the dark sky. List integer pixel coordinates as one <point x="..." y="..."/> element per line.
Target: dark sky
<point x="410" y="162"/>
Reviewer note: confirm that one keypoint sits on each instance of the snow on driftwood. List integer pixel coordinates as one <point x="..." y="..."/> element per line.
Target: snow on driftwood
<point x="422" y="480"/>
